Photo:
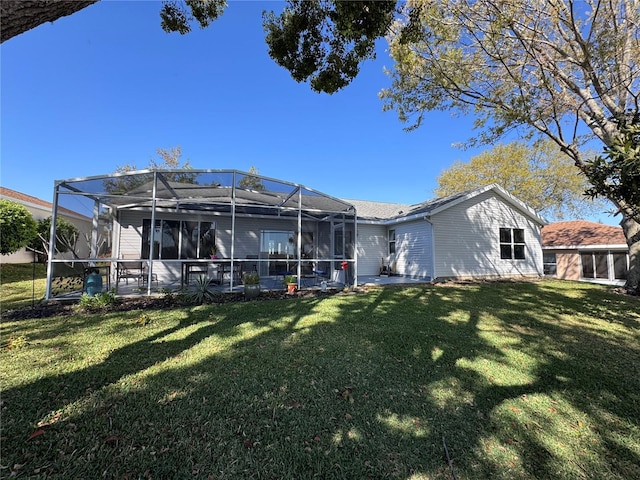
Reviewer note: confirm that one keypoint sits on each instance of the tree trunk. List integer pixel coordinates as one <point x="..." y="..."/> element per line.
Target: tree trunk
<point x="18" y="16"/>
<point x="631" y="229"/>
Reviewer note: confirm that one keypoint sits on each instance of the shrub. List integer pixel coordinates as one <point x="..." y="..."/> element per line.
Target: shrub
<point x="251" y="278"/>
<point x="98" y="302"/>
<point x="17" y="227"/>
<point x="200" y="291"/>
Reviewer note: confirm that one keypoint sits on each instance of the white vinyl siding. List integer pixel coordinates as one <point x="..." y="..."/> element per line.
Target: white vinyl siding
<point x="467" y="239"/>
<point x="413" y="256"/>
<point x="372" y="248"/>
<point x="129" y="240"/>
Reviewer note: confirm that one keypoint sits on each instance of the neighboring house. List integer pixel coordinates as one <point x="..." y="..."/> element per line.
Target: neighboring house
<point x="485" y="232"/>
<point x="40" y="210"/>
<point x="172" y="222"/>
<point x="586" y="251"/>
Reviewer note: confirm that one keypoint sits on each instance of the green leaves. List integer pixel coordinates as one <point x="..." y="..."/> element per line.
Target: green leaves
<point x="533" y="63"/>
<point x="66" y="236"/>
<point x="200" y="292"/>
<point x="616" y="174"/>
<point x="176" y="17"/>
<point x="324" y="42"/>
<point x="540" y="175"/>
<point x="17" y="227"/>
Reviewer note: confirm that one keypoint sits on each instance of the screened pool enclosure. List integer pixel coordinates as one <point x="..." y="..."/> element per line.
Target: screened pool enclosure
<point x="166" y="229"/>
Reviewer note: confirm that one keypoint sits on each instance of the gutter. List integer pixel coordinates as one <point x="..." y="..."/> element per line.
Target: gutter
<point x="395" y="221"/>
<point x="617" y="246"/>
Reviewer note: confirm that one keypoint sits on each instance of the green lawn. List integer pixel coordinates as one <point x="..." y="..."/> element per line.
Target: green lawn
<point x="21" y="285"/>
<point x="524" y="380"/>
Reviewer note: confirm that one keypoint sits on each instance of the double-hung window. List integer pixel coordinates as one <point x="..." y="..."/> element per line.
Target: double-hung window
<point x="550" y="263"/>
<point x="512" y="245"/>
<point x="392" y="242"/>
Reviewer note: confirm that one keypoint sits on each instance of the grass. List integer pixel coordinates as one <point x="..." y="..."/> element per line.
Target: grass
<point x="523" y="380"/>
<point x="20" y="287"/>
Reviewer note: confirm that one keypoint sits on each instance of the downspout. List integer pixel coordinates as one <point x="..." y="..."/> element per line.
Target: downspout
<point x="344" y="247"/>
<point x="332" y="247"/>
<point x="355" y="248"/>
<point x="233" y="229"/>
<point x="433" y="249"/>
<point x="153" y="231"/>
<point x="299" y="246"/>
<point x="52" y="240"/>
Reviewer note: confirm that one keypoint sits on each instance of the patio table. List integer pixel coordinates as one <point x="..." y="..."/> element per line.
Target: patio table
<point x="214" y="269"/>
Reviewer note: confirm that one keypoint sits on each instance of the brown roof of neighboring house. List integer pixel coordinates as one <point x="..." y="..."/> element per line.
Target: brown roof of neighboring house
<point x="581" y="232"/>
<point x="24" y="198"/>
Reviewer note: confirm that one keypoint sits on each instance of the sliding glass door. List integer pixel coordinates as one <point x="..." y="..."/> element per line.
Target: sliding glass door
<point x="278" y="247"/>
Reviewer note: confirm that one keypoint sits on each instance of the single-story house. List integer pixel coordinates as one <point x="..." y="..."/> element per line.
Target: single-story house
<point x="172" y="226"/>
<point x="40" y="210"/>
<point x="585" y="251"/>
<point x="480" y="233"/>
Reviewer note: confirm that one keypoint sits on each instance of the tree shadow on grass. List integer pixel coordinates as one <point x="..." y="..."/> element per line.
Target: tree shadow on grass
<point x="361" y="387"/>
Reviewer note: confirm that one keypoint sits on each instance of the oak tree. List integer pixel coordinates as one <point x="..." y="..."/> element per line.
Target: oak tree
<point x="561" y="69"/>
<point x="323" y="41"/>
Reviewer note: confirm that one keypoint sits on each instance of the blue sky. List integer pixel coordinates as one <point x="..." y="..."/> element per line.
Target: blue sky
<point x="107" y="86"/>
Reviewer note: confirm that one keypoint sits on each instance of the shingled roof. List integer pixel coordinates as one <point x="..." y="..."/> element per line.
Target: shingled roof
<point x="379" y="210"/>
<point x="580" y="233"/>
<point x="388" y="211"/>
<point x="382" y="211"/>
<point x="23" y="197"/>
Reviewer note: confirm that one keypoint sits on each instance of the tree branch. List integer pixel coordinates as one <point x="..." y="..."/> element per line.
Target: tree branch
<point x="17" y="17"/>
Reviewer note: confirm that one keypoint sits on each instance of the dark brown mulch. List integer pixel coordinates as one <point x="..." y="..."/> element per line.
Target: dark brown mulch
<point x="57" y="308"/>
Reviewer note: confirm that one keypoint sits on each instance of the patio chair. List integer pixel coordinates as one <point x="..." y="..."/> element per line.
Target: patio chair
<point x="385" y="269"/>
<point x="313" y="277"/>
<point x="130" y="269"/>
<point x="250" y="267"/>
<point x="193" y="269"/>
<point x="228" y="274"/>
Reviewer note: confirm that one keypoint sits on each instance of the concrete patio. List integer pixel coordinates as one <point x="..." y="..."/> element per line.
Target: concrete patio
<point x="132" y="288"/>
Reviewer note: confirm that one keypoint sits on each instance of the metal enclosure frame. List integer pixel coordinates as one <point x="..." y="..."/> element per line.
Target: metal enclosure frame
<point x="227" y="193"/>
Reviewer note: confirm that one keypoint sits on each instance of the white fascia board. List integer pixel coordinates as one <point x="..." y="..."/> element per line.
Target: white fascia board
<point x="464" y="198"/>
<point x="394" y="221"/>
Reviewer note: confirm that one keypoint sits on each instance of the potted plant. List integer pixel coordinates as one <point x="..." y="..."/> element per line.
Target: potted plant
<point x="213" y="252"/>
<point x="251" y="282"/>
<point x="291" y="282"/>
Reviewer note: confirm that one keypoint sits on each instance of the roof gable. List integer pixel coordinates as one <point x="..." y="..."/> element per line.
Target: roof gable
<point x="397" y="212"/>
<point x="439" y="205"/>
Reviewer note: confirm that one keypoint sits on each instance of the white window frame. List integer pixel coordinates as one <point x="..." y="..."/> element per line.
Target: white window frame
<point x="511" y="244"/>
